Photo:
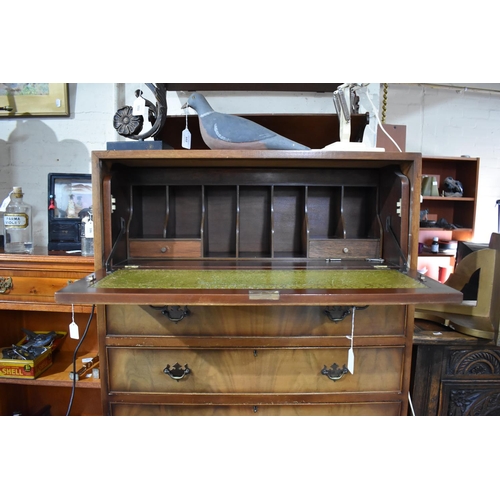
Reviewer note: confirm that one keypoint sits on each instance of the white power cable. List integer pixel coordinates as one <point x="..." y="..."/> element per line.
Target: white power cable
<point x="375" y="112"/>
<point x="411" y="404"/>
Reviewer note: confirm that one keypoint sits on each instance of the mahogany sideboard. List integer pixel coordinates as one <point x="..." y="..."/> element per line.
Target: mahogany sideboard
<point x="28" y="283"/>
<point x="237" y="282"/>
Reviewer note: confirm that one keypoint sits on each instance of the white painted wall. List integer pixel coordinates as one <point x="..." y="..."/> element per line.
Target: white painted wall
<point x="446" y="120"/>
<point x="440" y="121"/>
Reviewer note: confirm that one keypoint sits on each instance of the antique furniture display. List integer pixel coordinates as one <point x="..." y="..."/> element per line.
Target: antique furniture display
<point x="255" y="282"/>
<point x="457" y="356"/>
<point x="27" y="286"/>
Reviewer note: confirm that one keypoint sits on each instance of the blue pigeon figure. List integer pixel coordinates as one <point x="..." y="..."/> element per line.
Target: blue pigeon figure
<point x="223" y="131"/>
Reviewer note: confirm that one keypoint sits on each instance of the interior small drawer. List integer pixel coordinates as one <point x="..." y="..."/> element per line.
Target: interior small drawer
<point x="344" y="248"/>
<point x="294" y="370"/>
<point x="276" y="321"/>
<point x="326" y="410"/>
<point x="161" y="248"/>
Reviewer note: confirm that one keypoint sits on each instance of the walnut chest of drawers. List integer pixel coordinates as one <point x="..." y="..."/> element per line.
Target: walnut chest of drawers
<point x="255" y="282"/>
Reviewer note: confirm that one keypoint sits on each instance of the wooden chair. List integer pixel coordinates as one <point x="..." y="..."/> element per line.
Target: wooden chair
<point x="481" y="317"/>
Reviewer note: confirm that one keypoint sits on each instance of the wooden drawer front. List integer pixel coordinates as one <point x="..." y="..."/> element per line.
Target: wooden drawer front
<point x="327" y="410"/>
<point x="33" y="289"/>
<point x="249" y="371"/>
<point x="165" y="248"/>
<point x="344" y="248"/>
<point x="273" y="321"/>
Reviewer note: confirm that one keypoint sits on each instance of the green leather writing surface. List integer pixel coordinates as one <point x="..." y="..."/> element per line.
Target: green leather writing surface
<point x="258" y="279"/>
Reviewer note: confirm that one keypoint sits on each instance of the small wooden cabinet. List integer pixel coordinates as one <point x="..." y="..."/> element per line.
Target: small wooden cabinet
<point x="454" y="374"/>
<point x="230" y="282"/>
<point x="28" y="302"/>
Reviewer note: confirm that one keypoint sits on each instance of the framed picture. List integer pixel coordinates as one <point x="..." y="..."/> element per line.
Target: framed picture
<point x="69" y="199"/>
<point x="33" y="99"/>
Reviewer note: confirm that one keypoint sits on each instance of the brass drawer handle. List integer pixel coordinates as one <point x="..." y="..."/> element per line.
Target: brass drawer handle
<point x="177" y="372"/>
<point x="334" y="372"/>
<point x="173" y="313"/>
<point x="6" y="285"/>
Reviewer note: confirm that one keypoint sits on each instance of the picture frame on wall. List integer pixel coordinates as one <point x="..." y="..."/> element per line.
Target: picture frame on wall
<point x="33" y="99"/>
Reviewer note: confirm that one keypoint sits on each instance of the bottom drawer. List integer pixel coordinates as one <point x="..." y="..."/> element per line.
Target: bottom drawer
<point x="224" y="371"/>
<point x="327" y="410"/>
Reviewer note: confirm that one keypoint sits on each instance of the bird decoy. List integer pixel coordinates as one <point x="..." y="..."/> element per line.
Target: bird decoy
<point x="224" y="131"/>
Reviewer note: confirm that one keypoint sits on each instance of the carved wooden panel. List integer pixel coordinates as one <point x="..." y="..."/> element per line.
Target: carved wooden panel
<point x="475" y="362"/>
<point x="464" y="399"/>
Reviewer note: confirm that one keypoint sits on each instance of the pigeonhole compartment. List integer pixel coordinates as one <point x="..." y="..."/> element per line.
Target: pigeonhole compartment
<point x="342" y="222"/>
<point x="254" y="221"/>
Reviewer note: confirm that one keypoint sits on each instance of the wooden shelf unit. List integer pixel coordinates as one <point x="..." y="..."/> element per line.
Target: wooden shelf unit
<point x="460" y="211"/>
<point x="30" y="304"/>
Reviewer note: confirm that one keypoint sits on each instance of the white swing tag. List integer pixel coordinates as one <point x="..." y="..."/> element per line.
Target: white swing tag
<point x="186" y="136"/>
<point x="73" y="330"/>
<point x="350" y="353"/>
<point x="186" y="139"/>
<point x="350" y="361"/>
<point x="89" y="229"/>
<point x="138" y="106"/>
<point x="73" y="327"/>
<point x="4" y="204"/>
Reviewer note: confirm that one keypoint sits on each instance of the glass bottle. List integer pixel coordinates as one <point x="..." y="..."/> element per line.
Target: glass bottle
<point x="435" y="245"/>
<point x="18" y="226"/>
<point x="87" y="234"/>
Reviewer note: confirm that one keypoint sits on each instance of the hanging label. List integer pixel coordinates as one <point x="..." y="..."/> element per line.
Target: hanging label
<point x="16" y="221"/>
<point x="138" y="106"/>
<point x="74" y="333"/>
<point x="4" y="204"/>
<point x="350" y="361"/>
<point x="350" y="353"/>
<point x="186" y="136"/>
<point x="89" y="229"/>
<point x="73" y="327"/>
<point x="186" y="139"/>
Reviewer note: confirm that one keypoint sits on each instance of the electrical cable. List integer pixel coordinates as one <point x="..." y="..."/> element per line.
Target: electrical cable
<point x="74" y="359"/>
<point x="411" y="405"/>
<point x="380" y="123"/>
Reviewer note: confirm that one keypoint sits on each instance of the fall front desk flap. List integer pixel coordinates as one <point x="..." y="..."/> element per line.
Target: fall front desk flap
<point x="210" y="286"/>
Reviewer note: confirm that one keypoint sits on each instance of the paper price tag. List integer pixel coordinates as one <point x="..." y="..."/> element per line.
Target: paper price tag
<point x="350" y="361"/>
<point x="89" y="229"/>
<point x="350" y="353"/>
<point x="186" y="139"/>
<point x="138" y="106"/>
<point x="73" y="327"/>
<point x="4" y="204"/>
<point x="74" y="333"/>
